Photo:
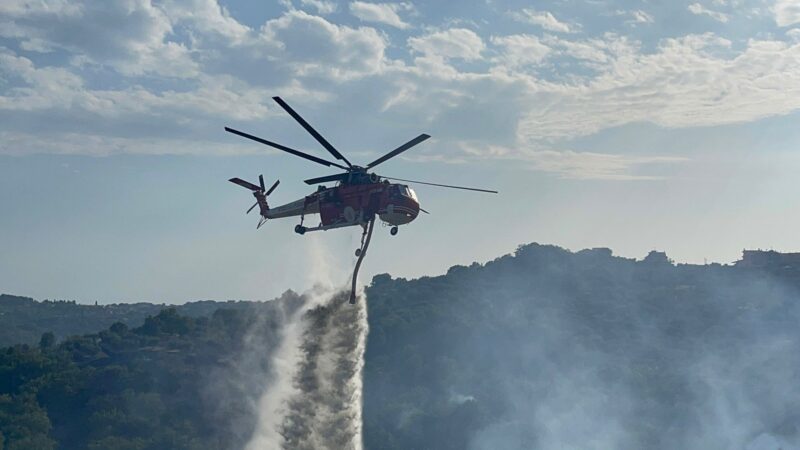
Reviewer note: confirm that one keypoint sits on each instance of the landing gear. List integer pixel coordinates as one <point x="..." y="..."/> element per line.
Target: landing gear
<point x="393" y="231"/>
<point x="358" y="252"/>
<point x="300" y="229"/>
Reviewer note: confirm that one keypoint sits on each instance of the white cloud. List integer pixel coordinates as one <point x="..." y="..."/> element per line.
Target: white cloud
<point x="312" y="45"/>
<point x="635" y="17"/>
<point x="386" y="13"/>
<point x="23" y="7"/>
<point x="136" y="117"/>
<point x="132" y="38"/>
<point x="452" y="43"/>
<point x="543" y="19"/>
<point x="207" y="16"/>
<point x="597" y="166"/>
<point x="787" y="12"/>
<point x="322" y="6"/>
<point x="58" y="89"/>
<point x="574" y="165"/>
<point x="520" y="50"/>
<point x="296" y="44"/>
<point x="591" y="52"/>
<point x="683" y="84"/>
<point x="640" y="16"/>
<point x="12" y="143"/>
<point x="43" y="87"/>
<point x="698" y="9"/>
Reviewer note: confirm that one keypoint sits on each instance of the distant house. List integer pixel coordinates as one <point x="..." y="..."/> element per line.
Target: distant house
<point x="769" y="259"/>
<point x="656" y="258"/>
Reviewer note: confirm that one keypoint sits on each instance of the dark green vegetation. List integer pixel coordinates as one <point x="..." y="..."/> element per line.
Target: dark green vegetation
<point x="175" y="382"/>
<point x="541" y="349"/>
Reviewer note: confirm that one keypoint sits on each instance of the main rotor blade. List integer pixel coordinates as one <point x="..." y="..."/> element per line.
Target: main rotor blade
<point x="311" y="131"/>
<point x="398" y="150"/>
<point x="286" y="149"/>
<point x="442" y="185"/>
<point x="245" y="184"/>
<point x="325" y="179"/>
<point x="273" y="187"/>
<point x="251" y="208"/>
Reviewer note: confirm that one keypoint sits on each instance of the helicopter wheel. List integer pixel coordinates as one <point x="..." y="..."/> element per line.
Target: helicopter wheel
<point x="393" y="231"/>
<point x="299" y="229"/>
<point x="358" y="252"/>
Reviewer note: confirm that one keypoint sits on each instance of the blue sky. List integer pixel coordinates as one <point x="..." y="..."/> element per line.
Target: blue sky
<point x="635" y="125"/>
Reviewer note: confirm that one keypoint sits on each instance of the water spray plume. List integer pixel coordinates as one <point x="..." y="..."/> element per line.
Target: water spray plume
<point x="313" y="400"/>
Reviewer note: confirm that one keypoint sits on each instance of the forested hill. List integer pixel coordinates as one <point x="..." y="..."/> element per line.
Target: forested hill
<point x="544" y="348"/>
<point x="24" y="320"/>
<point x="552" y="349"/>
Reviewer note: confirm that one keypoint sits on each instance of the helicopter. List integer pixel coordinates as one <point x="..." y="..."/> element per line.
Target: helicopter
<point x="359" y="197"/>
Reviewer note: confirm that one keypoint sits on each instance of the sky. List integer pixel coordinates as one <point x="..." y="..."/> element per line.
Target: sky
<point x="633" y="125"/>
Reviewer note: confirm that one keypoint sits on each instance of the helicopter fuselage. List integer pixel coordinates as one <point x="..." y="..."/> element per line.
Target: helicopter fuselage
<point x="353" y="204"/>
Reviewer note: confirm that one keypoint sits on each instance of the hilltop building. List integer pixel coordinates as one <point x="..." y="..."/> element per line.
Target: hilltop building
<point x="656" y="258"/>
<point x="769" y="259"/>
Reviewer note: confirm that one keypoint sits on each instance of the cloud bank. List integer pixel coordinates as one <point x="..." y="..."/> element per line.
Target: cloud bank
<point x="144" y="77"/>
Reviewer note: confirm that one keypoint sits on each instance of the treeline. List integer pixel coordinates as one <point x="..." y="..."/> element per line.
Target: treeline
<point x="23" y="319"/>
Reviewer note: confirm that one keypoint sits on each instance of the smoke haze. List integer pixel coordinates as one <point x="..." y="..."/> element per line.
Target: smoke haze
<point x="551" y="349"/>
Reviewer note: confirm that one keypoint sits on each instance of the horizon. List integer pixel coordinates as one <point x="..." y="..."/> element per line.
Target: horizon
<point x="99" y="302"/>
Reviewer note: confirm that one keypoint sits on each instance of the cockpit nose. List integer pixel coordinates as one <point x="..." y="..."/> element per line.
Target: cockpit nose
<point x="402" y="206"/>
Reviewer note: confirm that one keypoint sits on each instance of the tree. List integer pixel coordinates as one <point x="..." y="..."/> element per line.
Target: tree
<point x="48" y="341"/>
<point x="24" y="424"/>
<point x="119" y="328"/>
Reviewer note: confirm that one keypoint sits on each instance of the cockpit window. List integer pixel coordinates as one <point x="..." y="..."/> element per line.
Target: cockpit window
<point x="408" y="192"/>
<point x="405" y="191"/>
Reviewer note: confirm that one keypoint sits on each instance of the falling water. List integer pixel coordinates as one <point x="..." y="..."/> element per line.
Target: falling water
<point x="314" y="399"/>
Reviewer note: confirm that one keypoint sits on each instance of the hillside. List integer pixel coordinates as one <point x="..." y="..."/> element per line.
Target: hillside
<point x="543" y="348"/>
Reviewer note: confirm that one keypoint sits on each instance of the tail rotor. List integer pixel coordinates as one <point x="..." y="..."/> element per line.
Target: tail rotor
<point x="260" y="193"/>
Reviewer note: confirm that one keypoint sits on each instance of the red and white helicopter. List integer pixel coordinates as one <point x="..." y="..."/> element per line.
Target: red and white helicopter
<point x="358" y="198"/>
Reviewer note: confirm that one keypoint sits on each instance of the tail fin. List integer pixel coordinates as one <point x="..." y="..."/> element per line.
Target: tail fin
<point x="260" y="193"/>
<point x="261" y="201"/>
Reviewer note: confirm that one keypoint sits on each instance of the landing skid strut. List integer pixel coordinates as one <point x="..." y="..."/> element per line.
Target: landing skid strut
<point x="361" y="252"/>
